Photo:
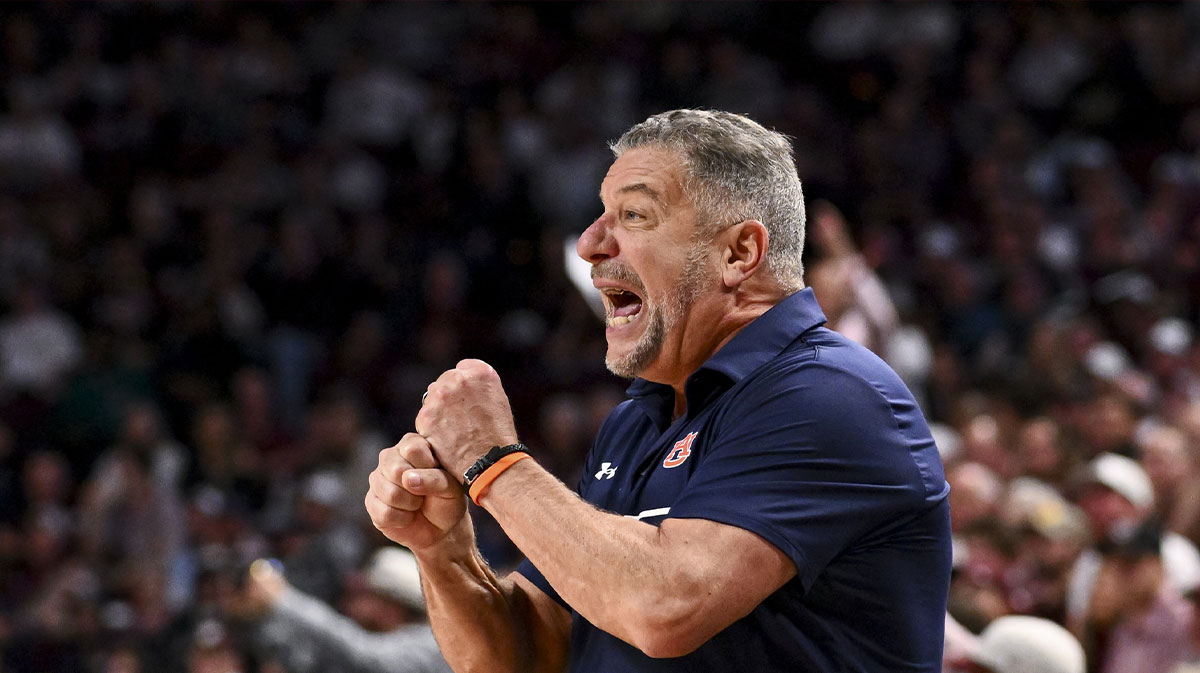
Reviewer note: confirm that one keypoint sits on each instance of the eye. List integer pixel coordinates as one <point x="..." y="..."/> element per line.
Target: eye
<point x="631" y="215"/>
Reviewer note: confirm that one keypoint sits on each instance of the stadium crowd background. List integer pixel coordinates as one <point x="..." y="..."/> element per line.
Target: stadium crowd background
<point x="237" y="241"/>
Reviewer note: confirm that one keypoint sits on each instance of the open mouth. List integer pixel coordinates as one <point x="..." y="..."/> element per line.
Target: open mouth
<point x="623" y="306"/>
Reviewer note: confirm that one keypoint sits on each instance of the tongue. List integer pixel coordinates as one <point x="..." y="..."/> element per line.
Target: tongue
<point x="628" y="309"/>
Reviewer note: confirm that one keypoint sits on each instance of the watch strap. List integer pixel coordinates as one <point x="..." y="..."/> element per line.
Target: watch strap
<point x="489" y="459"/>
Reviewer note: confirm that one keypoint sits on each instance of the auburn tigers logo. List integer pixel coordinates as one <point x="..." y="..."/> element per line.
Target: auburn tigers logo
<point x="680" y="452"/>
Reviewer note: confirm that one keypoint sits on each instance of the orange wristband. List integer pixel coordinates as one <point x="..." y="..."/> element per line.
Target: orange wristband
<point x="484" y="480"/>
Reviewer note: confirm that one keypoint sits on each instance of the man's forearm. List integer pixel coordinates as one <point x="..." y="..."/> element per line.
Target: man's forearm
<point x="609" y="568"/>
<point x="484" y="623"/>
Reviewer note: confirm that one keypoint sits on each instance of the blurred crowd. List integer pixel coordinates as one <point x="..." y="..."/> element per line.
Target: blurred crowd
<point x="237" y="241"/>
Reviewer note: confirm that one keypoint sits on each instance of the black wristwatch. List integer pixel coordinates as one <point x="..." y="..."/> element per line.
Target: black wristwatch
<point x="489" y="459"/>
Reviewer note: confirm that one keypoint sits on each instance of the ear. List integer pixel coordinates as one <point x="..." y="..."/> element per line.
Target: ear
<point x="743" y="251"/>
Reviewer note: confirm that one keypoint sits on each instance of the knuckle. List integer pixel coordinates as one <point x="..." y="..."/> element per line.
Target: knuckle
<point x="373" y="509"/>
<point x="390" y="493"/>
<point x="414" y="452"/>
<point x="387" y="457"/>
<point x="395" y="470"/>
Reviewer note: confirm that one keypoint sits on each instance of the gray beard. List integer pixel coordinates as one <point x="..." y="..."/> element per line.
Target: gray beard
<point x="659" y="321"/>
<point x="644" y="351"/>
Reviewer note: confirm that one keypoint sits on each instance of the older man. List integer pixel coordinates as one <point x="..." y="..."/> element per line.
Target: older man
<point x="769" y="499"/>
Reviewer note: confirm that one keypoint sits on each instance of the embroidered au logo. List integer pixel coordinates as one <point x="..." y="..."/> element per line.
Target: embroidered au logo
<point x="680" y="452"/>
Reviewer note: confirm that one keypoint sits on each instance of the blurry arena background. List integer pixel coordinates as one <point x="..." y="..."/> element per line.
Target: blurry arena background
<point x="238" y="240"/>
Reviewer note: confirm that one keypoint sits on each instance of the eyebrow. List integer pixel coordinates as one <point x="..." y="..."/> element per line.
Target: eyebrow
<point x="644" y="189"/>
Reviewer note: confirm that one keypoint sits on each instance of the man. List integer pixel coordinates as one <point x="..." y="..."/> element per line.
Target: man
<point x="383" y="630"/>
<point x="1117" y="496"/>
<point x="770" y="499"/>
<point x="1137" y="621"/>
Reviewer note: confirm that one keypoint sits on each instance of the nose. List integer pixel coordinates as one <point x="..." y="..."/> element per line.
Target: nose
<point x="596" y="243"/>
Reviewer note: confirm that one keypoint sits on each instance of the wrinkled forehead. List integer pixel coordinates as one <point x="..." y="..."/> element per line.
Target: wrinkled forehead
<point x="656" y="173"/>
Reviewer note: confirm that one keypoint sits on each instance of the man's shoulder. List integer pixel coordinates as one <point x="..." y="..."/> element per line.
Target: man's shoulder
<point x="830" y="363"/>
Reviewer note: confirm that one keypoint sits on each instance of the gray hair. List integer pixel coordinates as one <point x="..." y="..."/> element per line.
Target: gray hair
<point x="734" y="170"/>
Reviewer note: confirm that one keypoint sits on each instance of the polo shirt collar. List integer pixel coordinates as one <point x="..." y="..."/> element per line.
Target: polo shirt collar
<point x="764" y="338"/>
<point x="767" y="335"/>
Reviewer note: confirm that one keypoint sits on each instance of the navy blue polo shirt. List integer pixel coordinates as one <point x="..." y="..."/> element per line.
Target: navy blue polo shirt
<point x="809" y="440"/>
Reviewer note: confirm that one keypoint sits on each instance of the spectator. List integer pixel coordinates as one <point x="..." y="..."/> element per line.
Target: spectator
<point x="1118" y="498"/>
<point x="853" y="298"/>
<point x="1141" y="619"/>
<point x="383" y="629"/>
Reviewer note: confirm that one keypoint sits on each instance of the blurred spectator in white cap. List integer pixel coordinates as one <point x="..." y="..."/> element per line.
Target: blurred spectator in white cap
<point x="381" y="627"/>
<point x="1137" y="621"/>
<point x="1117" y="496"/>
<point x="1022" y="644"/>
<point x="1052" y="534"/>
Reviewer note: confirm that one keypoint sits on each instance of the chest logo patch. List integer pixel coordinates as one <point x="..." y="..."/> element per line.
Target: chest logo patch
<point x="680" y="452"/>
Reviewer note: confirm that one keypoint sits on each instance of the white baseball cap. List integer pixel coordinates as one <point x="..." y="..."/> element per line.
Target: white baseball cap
<point x="393" y="572"/>
<point x="1124" y="476"/>
<point x="1022" y="644"/>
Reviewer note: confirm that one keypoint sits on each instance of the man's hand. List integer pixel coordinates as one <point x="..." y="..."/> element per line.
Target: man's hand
<point x="412" y="500"/>
<point x="264" y="586"/>
<point x="830" y="232"/>
<point x="464" y="414"/>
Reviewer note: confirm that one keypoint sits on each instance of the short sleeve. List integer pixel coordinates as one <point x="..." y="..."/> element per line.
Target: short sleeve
<point x="535" y="576"/>
<point x="813" y="458"/>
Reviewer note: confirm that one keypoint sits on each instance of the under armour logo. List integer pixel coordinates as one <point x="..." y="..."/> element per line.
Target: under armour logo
<point x="606" y="471"/>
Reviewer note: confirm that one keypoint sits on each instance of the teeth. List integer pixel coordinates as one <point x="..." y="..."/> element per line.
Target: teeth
<point x="613" y="291"/>
<point x="618" y="320"/>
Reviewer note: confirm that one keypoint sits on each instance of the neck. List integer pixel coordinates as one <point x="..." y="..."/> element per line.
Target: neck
<point x="708" y="328"/>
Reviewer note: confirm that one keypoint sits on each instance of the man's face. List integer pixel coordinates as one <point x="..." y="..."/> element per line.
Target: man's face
<point x="1107" y="511"/>
<point x="647" y="261"/>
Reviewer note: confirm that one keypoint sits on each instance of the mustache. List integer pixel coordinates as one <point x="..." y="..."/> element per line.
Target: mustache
<point x="611" y="269"/>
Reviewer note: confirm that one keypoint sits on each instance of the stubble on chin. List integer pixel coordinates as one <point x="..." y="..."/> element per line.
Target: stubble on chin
<point x="644" y="352"/>
<point x="659" y="321"/>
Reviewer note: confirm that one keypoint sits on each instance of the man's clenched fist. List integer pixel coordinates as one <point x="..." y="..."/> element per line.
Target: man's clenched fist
<point x="466" y="413"/>
<point x="412" y="500"/>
